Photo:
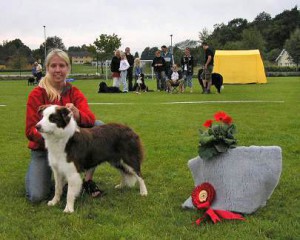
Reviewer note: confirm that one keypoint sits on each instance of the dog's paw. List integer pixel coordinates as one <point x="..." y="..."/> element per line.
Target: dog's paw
<point x="68" y="209"/>
<point x="144" y="193"/>
<point x="53" y="202"/>
<point x="119" y="186"/>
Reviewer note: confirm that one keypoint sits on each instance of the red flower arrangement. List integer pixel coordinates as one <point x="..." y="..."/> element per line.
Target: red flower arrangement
<point x="219" y="136"/>
<point x="202" y="198"/>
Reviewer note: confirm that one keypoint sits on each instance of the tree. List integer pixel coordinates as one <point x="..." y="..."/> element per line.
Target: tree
<point x="104" y="47"/>
<point x="227" y="33"/>
<point x="262" y="18"/>
<point x="252" y="39"/>
<point x="53" y="42"/>
<point x="292" y="45"/>
<point x="281" y="28"/>
<point x="15" y="54"/>
<point x="73" y="49"/>
<point x="136" y="55"/>
<point x="203" y="35"/>
<point x="149" y="53"/>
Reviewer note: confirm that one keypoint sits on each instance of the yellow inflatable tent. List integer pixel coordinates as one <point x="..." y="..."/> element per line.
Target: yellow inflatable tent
<point x="240" y="66"/>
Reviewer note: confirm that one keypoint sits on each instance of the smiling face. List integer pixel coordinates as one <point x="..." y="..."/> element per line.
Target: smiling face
<point x="58" y="69"/>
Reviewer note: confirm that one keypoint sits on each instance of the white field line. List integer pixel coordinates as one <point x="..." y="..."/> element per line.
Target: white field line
<point x="212" y="102"/>
<point x="110" y="103"/>
<point x="195" y="102"/>
<point x="1" y="105"/>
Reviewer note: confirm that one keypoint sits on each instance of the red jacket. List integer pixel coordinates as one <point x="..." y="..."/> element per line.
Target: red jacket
<point x="38" y="97"/>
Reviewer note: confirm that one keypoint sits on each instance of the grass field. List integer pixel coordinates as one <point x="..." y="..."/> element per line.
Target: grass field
<point x="266" y="115"/>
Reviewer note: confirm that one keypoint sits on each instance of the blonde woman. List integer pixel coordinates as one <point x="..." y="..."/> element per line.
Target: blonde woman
<point x="114" y="67"/>
<point x="53" y="89"/>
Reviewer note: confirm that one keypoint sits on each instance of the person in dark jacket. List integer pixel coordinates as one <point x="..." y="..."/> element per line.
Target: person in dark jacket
<point x="114" y="67"/>
<point x="130" y="60"/>
<point x="208" y="66"/>
<point x="187" y="65"/>
<point x="159" y="66"/>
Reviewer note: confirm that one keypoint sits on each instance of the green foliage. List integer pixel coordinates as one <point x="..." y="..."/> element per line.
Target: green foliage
<point x="148" y="53"/>
<point x="170" y="136"/>
<point x="292" y="45"/>
<point x="52" y="42"/>
<point x="281" y="27"/>
<point x="280" y="69"/>
<point x="218" y="138"/>
<point x="106" y="45"/>
<point x="264" y="33"/>
<point x="15" y="53"/>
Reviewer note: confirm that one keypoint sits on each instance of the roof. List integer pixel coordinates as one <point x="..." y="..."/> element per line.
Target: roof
<point x="80" y="54"/>
<point x="237" y="52"/>
<point x="281" y="54"/>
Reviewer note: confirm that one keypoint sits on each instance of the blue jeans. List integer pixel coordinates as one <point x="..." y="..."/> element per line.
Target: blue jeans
<point x="38" y="182"/>
<point x="123" y="80"/>
<point x="160" y="80"/>
<point x="188" y="79"/>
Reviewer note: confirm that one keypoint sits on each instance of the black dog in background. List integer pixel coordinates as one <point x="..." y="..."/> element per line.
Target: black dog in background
<point x="31" y="81"/>
<point x="217" y="80"/>
<point x="103" y="88"/>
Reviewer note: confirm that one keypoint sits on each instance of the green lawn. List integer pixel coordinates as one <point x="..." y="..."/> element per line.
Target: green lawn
<point x="170" y="136"/>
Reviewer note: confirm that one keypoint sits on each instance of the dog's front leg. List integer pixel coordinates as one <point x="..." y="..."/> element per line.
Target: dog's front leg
<point x="58" y="178"/>
<point x="74" y="187"/>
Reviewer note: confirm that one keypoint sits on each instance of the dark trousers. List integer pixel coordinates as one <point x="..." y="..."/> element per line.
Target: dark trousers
<point x="129" y="78"/>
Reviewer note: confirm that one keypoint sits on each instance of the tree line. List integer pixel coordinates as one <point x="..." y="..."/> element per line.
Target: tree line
<point x="269" y="35"/>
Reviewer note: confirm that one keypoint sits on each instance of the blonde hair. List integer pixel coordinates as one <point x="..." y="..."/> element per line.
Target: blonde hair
<point x="175" y="67"/>
<point x="137" y="62"/>
<point x="123" y="55"/>
<point x="45" y="82"/>
<point x="117" y="53"/>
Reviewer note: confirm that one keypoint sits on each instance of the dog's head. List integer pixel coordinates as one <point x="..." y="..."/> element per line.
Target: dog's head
<point x="56" y="121"/>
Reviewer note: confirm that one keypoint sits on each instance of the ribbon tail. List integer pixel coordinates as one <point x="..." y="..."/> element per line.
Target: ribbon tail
<point x="214" y="217"/>
<point x="199" y="220"/>
<point x="229" y="215"/>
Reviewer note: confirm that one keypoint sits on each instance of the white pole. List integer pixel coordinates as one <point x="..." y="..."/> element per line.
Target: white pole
<point x="45" y="42"/>
<point x="172" y="49"/>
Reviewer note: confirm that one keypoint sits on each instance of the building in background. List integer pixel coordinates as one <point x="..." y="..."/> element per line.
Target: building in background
<point x="284" y="59"/>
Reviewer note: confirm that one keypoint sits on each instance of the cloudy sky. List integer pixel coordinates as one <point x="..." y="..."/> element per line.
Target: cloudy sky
<point x="140" y="23"/>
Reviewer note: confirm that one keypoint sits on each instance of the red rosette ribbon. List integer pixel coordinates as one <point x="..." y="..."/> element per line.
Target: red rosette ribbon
<point x="202" y="198"/>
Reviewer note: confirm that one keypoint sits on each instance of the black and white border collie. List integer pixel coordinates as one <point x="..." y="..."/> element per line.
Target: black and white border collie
<point x="72" y="150"/>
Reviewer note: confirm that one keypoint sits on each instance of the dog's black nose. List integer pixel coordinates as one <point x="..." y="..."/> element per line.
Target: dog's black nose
<point x="38" y="127"/>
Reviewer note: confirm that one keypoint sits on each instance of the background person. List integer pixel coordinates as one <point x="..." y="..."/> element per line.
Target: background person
<point x="159" y="66"/>
<point x="208" y="66"/>
<point x="53" y="89"/>
<point x="175" y="79"/>
<point x="38" y="71"/>
<point x="138" y="69"/>
<point x="167" y="55"/>
<point x="187" y="65"/>
<point x="114" y="67"/>
<point x="130" y="60"/>
<point x="124" y="65"/>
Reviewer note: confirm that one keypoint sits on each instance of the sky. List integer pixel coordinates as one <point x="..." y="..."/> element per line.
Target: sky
<point x="139" y="24"/>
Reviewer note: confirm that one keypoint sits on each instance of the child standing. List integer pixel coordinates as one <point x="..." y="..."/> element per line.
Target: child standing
<point x="138" y="70"/>
<point x="124" y="65"/>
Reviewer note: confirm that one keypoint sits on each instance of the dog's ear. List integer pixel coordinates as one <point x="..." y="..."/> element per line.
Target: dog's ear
<point x="66" y="114"/>
<point x="42" y="108"/>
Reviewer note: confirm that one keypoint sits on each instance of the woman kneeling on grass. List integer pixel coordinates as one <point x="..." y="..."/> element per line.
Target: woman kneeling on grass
<point x="53" y="89"/>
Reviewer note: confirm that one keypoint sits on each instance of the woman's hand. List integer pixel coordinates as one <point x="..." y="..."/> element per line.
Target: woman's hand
<point x="74" y="110"/>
